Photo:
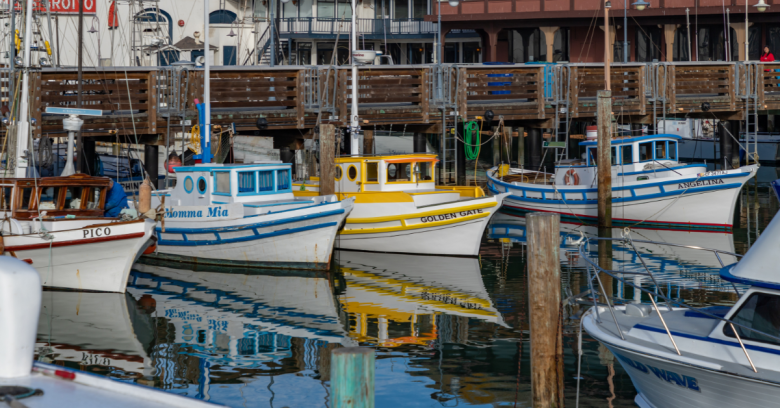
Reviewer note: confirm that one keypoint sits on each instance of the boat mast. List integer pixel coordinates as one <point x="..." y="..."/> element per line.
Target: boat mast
<point x="23" y="134"/>
<point x="205" y="128"/>
<point x="354" y="127"/>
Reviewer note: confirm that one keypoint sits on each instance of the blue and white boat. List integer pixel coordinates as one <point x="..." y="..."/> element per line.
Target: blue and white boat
<point x="246" y="215"/>
<point x="715" y="356"/>
<point x="650" y="187"/>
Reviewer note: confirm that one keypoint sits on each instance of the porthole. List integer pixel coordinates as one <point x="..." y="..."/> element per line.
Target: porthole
<point x="352" y="173"/>
<point x="188" y="184"/>
<point x="339" y="173"/>
<point x="202" y="185"/>
<point x="392" y="169"/>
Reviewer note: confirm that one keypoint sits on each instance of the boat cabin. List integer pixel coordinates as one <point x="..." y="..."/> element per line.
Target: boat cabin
<point x="355" y="174"/>
<point x="635" y="158"/>
<point x="79" y="195"/>
<point x="210" y="183"/>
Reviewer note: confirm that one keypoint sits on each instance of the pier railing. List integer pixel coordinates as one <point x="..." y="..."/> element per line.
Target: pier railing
<point x="145" y="101"/>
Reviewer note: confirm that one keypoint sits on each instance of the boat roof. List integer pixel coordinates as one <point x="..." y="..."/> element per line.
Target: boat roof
<point x="626" y="140"/>
<point x="389" y="158"/>
<point x="759" y="266"/>
<point x="219" y="166"/>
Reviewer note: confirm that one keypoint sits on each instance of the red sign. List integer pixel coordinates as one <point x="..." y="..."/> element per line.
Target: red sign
<point x="60" y="6"/>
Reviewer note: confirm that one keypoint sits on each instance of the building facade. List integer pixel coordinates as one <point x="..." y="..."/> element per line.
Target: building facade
<point x="147" y="33"/>
<point x="572" y="30"/>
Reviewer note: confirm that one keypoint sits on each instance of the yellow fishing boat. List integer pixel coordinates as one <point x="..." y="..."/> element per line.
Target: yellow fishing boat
<point x="399" y="208"/>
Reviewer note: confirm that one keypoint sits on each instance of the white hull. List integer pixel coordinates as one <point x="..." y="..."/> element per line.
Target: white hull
<point x="301" y="238"/>
<point x="90" y="259"/>
<point x="682" y="203"/>
<point x="454" y="231"/>
<point x="700" y="387"/>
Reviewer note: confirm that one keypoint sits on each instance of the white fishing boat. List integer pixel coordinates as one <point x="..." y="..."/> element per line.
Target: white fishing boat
<point x="246" y="215"/>
<point x="709" y="357"/>
<point x="28" y="383"/>
<point x="58" y="225"/>
<point x="650" y="187"/>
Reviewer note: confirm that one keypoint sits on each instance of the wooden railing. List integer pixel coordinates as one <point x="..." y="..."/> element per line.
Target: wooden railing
<point x="137" y="101"/>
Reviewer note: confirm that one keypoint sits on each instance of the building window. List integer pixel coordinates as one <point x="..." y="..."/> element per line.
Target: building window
<point x="401" y="9"/>
<point x="526" y="45"/>
<point x="222" y="17"/>
<point x="334" y="9"/>
<point x="561" y="45"/>
<point x="680" y="47"/>
<point x="712" y="44"/>
<point x="648" y="44"/>
<point x="229" y="55"/>
<point x="617" y="51"/>
<point x="451" y="53"/>
<point x="754" y="39"/>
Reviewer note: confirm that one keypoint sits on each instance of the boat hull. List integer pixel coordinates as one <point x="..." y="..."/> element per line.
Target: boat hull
<point x="299" y="239"/>
<point x="668" y="204"/>
<point x="664" y="383"/>
<point x="453" y="229"/>
<point x="94" y="258"/>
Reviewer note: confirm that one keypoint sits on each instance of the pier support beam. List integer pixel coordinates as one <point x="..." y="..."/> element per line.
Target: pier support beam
<point x="420" y="143"/>
<point x="150" y="162"/>
<point x="460" y="156"/>
<point x="544" y="303"/>
<point x="327" y="159"/>
<point x="724" y="139"/>
<point x="535" y="148"/>
<point x="368" y="141"/>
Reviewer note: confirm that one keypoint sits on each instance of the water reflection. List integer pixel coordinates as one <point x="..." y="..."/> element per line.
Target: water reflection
<point x="447" y="331"/>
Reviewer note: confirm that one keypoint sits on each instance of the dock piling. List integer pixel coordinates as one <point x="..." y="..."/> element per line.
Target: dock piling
<point x="352" y="377"/>
<point x="327" y="159"/>
<point x="544" y="304"/>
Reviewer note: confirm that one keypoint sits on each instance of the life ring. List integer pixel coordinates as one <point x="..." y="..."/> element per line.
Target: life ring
<point x="571" y="174"/>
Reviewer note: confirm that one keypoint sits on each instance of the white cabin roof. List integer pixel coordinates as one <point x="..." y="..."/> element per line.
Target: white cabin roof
<point x="761" y="265"/>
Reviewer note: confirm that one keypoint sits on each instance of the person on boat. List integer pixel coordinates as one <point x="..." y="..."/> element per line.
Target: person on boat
<point x="767" y="57"/>
<point x="116" y="200"/>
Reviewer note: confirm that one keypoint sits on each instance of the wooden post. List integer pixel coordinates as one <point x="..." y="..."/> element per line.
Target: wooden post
<point x="521" y="147"/>
<point x="544" y="302"/>
<point x="496" y="147"/>
<point x="352" y="377"/>
<point x="368" y="142"/>
<point x="605" y="159"/>
<point x="604" y="111"/>
<point x="327" y="159"/>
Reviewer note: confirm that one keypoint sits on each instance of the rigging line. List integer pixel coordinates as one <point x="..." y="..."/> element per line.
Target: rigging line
<point x="590" y="34"/>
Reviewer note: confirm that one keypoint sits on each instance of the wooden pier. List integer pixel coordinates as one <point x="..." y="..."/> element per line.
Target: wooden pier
<point x="148" y="102"/>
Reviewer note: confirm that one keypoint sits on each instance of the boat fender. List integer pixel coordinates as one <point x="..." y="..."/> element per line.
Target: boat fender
<point x="145" y="197"/>
<point x="571" y="178"/>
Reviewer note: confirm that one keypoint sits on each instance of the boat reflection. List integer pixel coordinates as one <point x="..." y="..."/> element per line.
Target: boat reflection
<point x="394" y="299"/>
<point x="684" y="267"/>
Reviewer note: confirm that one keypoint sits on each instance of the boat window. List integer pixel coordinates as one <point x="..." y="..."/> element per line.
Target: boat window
<point x="282" y="180"/>
<point x="246" y="182"/>
<point x="372" y="172"/>
<point x="72" y="198"/>
<point x="660" y="150"/>
<point x="5" y="198"/>
<point x="424" y="171"/>
<point x="92" y="197"/>
<point x="26" y="195"/>
<point x="646" y="151"/>
<point x="201" y="185"/>
<point x="592" y="155"/>
<point x="760" y="312"/>
<point x="399" y="172"/>
<point x="352" y="173"/>
<point x="265" y="181"/>
<point x="673" y="151"/>
<point x="339" y="172"/>
<point x="49" y="198"/>
<point x="188" y="184"/>
<point x="627" y="154"/>
<point x="614" y="155"/>
<point x="222" y="182"/>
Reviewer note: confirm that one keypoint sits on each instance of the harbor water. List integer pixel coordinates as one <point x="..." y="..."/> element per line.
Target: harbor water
<point x="447" y="331"/>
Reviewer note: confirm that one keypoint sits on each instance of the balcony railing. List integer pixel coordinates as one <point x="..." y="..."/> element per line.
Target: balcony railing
<point x="366" y="26"/>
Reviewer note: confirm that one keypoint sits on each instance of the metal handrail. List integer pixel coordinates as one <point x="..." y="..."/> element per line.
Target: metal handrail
<point x="668" y="300"/>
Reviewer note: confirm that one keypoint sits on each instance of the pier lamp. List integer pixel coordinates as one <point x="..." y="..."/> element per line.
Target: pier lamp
<point x="641" y="5"/>
<point x="761" y="6"/>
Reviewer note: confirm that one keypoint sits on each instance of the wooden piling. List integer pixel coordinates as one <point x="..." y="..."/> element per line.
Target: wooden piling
<point x="368" y="142"/>
<point x="352" y="377"/>
<point x="544" y="303"/>
<point x="604" y="110"/>
<point x="327" y="159"/>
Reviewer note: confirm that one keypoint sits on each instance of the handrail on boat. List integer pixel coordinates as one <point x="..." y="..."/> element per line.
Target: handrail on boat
<point x="669" y="301"/>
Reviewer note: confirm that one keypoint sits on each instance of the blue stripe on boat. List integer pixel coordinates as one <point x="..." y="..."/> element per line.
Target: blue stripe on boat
<point x="275" y="204"/>
<point x="250" y="226"/>
<point x="220" y="241"/>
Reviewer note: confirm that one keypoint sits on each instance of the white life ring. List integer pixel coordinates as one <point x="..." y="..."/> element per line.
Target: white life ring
<point x="571" y="178"/>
